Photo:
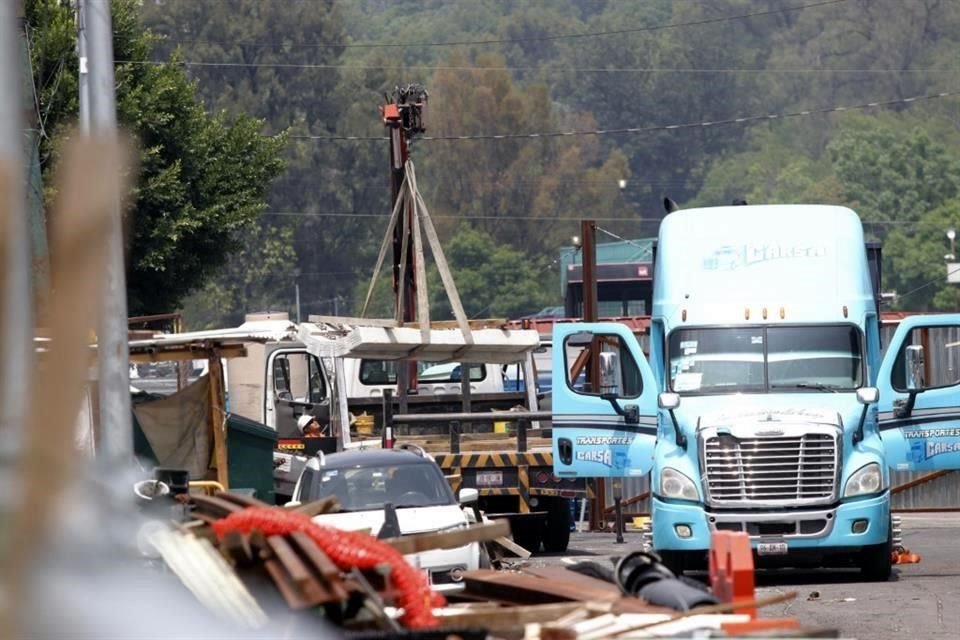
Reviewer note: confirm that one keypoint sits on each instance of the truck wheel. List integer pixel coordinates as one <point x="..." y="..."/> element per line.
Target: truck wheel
<point x="528" y="534"/>
<point x="676" y="561"/>
<point x="556" y="535"/>
<point x="876" y="561"/>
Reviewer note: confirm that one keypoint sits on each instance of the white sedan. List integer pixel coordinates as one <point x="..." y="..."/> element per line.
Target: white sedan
<point x="365" y="481"/>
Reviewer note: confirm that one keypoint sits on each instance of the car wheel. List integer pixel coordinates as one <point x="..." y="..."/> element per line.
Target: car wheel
<point x="485" y="562"/>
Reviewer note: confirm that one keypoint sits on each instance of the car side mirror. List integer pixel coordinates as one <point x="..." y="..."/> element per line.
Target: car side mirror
<point x="668" y="401"/>
<point x="469" y="496"/>
<point x="868" y="395"/>
<point x="915" y="366"/>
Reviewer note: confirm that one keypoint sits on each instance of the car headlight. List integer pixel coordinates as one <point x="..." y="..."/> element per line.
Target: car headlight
<point x="674" y="484"/>
<point x="865" y="480"/>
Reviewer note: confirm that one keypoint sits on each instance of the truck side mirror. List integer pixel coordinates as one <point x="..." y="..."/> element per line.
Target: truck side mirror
<point x="865" y="396"/>
<point x="468" y="495"/>
<point x="668" y="401"/>
<point x="914" y="365"/>
<point x="868" y="395"/>
<point x="609" y="368"/>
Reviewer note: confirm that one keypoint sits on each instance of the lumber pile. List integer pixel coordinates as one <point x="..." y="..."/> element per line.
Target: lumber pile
<point x="236" y="573"/>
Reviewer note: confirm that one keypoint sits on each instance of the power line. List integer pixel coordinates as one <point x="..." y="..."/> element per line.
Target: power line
<point x="937" y="280"/>
<point x="551" y="37"/>
<point x="511" y="218"/>
<point x="653" y="128"/>
<point x="610" y="70"/>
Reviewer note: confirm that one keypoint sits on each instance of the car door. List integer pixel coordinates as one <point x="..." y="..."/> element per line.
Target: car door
<point x="610" y="430"/>
<point x="919" y="382"/>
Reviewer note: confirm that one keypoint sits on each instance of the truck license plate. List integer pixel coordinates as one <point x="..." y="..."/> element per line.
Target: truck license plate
<point x="489" y="478"/>
<point x="771" y="548"/>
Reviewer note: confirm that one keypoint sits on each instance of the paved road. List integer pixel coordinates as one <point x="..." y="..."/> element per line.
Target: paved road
<point x="921" y="601"/>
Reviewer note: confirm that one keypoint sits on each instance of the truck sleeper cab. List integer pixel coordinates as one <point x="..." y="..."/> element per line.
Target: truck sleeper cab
<point x="765" y="406"/>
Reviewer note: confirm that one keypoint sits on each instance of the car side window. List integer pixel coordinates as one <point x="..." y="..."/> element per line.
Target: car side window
<point x="941" y="349"/>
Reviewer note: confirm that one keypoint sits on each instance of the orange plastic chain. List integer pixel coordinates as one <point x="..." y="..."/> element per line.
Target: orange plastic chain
<point x="348" y="550"/>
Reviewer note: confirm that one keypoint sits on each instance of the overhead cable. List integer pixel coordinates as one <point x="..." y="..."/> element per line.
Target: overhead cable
<point x="651" y="128"/>
<point x="548" y="37"/>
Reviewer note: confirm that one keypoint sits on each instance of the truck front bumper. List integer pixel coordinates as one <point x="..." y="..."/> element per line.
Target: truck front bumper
<point x="845" y="526"/>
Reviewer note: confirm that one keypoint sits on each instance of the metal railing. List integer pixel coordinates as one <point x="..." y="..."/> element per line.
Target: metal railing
<point x="455" y="422"/>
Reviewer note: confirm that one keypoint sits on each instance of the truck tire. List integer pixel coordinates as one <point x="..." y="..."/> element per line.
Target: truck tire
<point x="528" y="534"/>
<point x="556" y="535"/>
<point x="676" y="561"/>
<point x="876" y="561"/>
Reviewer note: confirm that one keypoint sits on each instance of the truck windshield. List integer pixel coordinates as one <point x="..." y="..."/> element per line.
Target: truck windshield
<point x="766" y="359"/>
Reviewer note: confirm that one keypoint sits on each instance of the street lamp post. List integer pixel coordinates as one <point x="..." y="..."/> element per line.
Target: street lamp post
<point x="296" y="291"/>
<point x="953" y="268"/>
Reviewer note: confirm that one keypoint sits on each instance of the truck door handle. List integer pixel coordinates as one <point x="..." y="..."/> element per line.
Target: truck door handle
<point x="565" y="449"/>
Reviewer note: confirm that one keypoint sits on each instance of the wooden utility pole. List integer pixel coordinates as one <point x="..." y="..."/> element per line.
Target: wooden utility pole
<point x="588" y="240"/>
<point x="404" y="118"/>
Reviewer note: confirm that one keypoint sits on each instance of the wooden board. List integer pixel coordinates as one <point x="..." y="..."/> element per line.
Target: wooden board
<point x="499" y="618"/>
<point x="450" y="539"/>
<point x="526" y="588"/>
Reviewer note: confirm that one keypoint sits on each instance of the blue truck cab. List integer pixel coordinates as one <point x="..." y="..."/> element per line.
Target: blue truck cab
<point x="767" y="405"/>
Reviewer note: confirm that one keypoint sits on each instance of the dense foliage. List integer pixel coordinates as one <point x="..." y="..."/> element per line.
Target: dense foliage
<point x="504" y="206"/>
<point x="203" y="176"/>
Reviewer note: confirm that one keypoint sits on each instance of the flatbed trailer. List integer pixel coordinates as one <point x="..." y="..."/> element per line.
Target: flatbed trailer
<point x="512" y="472"/>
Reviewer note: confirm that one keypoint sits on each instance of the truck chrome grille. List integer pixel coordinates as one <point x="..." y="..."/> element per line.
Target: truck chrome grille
<point x="780" y="469"/>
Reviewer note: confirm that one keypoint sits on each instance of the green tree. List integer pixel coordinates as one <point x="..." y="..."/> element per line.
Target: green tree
<point x="493" y="280"/>
<point x="202" y="177"/>
<point x="526" y="192"/>
<point x="774" y="167"/>
<point x="915" y="261"/>
<point x="281" y="63"/>
<point x="892" y="172"/>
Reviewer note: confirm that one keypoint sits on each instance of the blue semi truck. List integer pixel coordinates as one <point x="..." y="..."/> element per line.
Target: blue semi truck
<point x="767" y="405"/>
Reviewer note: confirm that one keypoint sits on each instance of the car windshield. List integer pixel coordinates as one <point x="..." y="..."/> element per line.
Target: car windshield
<point x="766" y="359"/>
<point x="370" y="488"/>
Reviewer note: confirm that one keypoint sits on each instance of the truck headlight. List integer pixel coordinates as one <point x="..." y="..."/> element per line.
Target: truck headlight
<point x="674" y="484"/>
<point x="866" y="480"/>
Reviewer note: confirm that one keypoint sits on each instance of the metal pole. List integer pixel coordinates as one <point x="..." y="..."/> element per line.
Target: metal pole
<point x="336" y="306"/>
<point x="83" y="74"/>
<point x="112" y="349"/>
<point x="17" y="304"/>
<point x="618" y="509"/>
<point x="296" y="287"/>
<point x="466" y="404"/>
<point x="387" y="437"/>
